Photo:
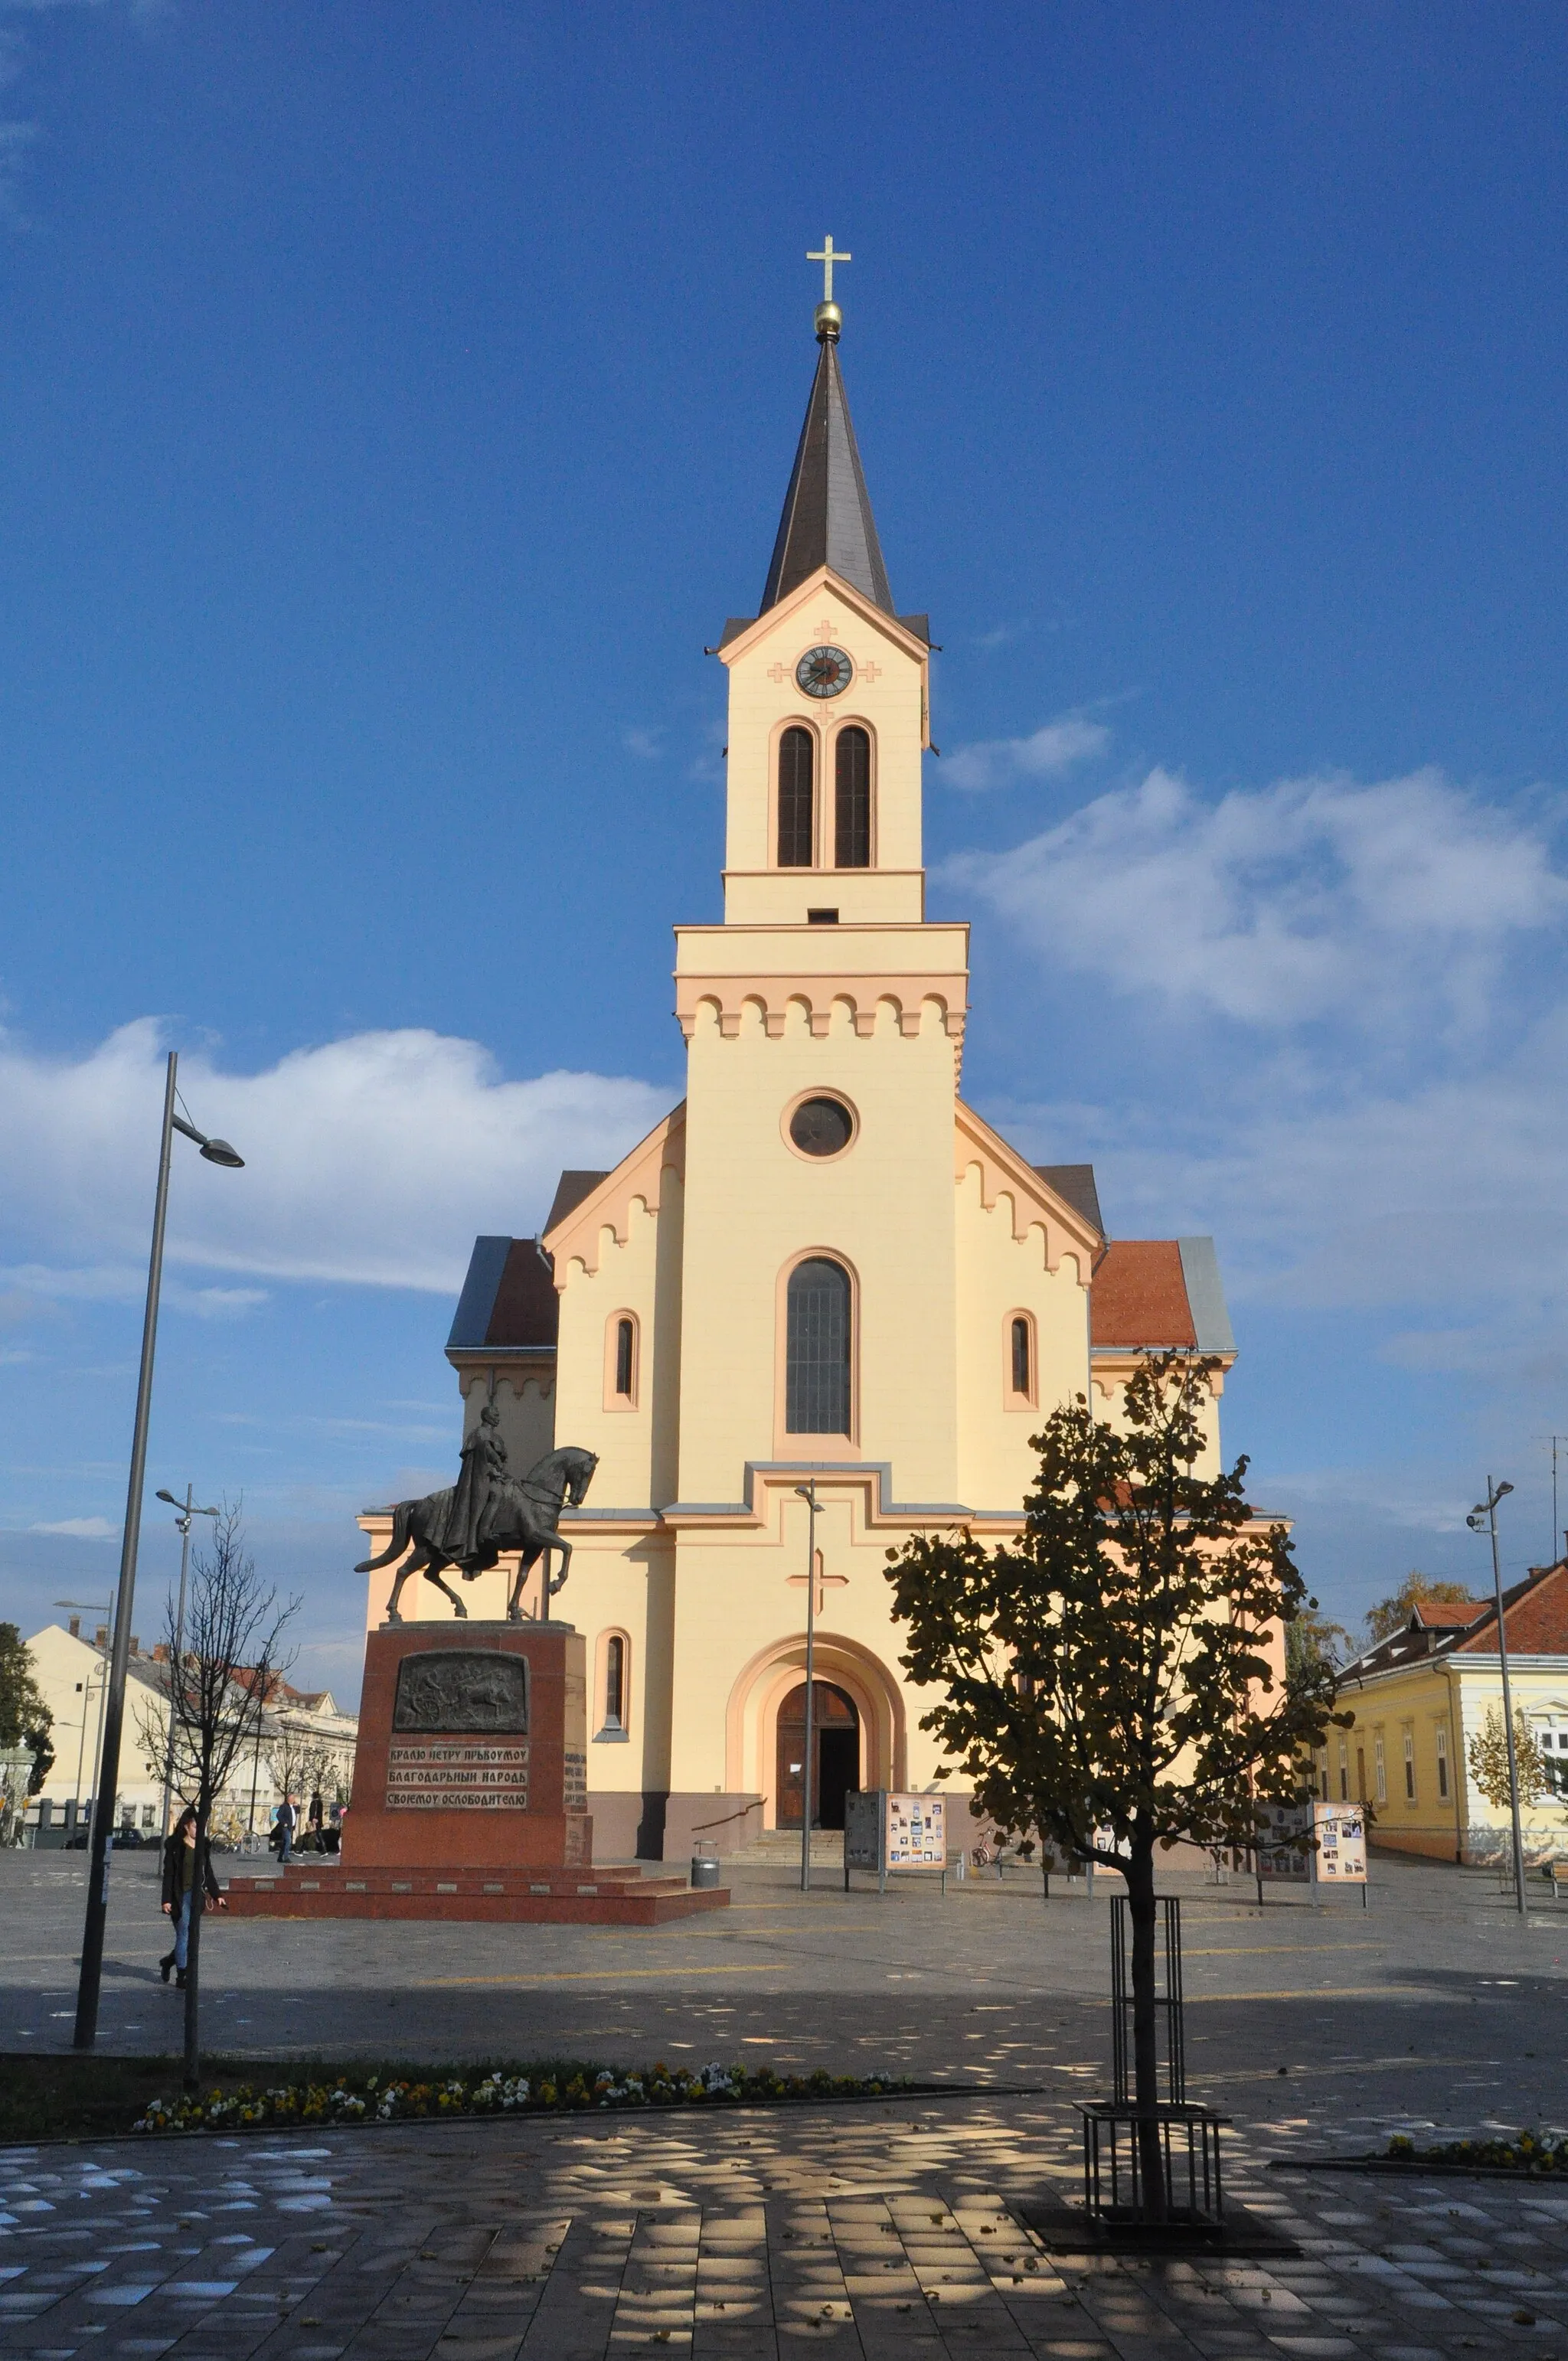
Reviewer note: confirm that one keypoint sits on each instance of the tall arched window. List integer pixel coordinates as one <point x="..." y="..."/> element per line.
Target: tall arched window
<point x="817" y="1349"/>
<point x="615" y="1683"/>
<point x="625" y="1338"/>
<point x="852" y="800"/>
<point x="796" y="795"/>
<point x="1023" y="1375"/>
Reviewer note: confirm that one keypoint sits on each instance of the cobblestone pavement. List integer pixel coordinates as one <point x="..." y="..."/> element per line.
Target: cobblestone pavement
<point x="880" y="2229"/>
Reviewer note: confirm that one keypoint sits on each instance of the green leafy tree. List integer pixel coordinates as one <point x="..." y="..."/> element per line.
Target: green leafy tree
<point x="1418" y="1589"/>
<point x="1487" y="1755"/>
<point x="1312" y="1642"/>
<point x="1107" y="1681"/>
<point x="25" y="1718"/>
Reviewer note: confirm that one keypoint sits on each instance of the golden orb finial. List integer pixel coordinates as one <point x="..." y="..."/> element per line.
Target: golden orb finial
<point x="829" y="321"/>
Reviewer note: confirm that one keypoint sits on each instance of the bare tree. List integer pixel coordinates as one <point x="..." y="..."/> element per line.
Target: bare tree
<point x="233" y="1627"/>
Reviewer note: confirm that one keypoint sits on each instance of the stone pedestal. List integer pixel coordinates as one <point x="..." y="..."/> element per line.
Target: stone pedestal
<point x="470" y="1793"/>
<point x="473" y="1750"/>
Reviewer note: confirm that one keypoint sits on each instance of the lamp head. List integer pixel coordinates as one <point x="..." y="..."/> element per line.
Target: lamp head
<point x="171" y="1500"/>
<point x="218" y="1151"/>
<point x="1501" y="1489"/>
<point x="1476" y="1520"/>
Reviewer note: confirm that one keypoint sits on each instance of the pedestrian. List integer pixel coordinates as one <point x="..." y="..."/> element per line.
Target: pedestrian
<point x="183" y="1883"/>
<point x="317" y="1821"/>
<point x="284" y="1827"/>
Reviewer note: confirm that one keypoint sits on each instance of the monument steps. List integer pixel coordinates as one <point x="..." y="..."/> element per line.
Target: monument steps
<point x="616" y="1896"/>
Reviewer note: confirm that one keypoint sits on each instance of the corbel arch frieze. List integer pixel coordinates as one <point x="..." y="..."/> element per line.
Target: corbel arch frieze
<point x="635" y="1189"/>
<point x="729" y="1003"/>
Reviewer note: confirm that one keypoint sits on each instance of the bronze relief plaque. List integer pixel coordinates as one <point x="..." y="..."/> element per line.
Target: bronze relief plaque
<point x="460" y="1688"/>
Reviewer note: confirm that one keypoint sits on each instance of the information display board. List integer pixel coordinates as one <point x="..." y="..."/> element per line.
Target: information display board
<point x="1282" y="1858"/>
<point x="916" y="1831"/>
<point x="1341" y="1832"/>
<point x="884" y="1832"/>
<point x="1337" y="1854"/>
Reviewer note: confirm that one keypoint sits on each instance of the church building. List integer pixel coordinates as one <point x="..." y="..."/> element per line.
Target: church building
<point x="822" y="1268"/>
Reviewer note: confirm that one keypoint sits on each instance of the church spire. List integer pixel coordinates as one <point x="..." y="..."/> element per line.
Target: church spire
<point x="826" y="517"/>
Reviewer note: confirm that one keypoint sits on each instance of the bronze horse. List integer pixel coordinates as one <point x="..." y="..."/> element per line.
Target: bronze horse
<point x="521" y="1515"/>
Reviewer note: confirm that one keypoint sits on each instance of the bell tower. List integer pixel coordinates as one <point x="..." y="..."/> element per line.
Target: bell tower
<point x="828" y="704"/>
<point x="824" y="1016"/>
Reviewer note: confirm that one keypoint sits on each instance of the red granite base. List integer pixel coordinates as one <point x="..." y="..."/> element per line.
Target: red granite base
<point x="598" y="1897"/>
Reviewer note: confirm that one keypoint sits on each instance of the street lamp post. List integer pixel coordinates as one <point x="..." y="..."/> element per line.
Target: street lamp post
<point x="216" y="1151"/>
<point x="808" y="1494"/>
<point x="1483" y="1518"/>
<point x="182" y="1526"/>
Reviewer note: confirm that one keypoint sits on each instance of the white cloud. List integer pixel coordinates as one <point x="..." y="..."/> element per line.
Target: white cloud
<point x="1046" y="753"/>
<point x="1308" y="899"/>
<point x="648" y="745"/>
<point x="80" y="1529"/>
<point x="374" y="1160"/>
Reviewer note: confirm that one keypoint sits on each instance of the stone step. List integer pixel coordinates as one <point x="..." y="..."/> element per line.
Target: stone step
<point x="779" y="1848"/>
<point x="616" y="1895"/>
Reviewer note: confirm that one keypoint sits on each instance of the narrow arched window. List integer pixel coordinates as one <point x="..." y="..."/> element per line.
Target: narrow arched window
<point x="817" y="1349"/>
<point x="615" y="1684"/>
<point x="625" y="1342"/>
<point x="795" y="794"/>
<point x="1023" y="1375"/>
<point x="852" y="800"/>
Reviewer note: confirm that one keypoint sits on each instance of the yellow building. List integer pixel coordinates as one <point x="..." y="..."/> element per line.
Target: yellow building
<point x="1422" y="1695"/>
<point x="821" y="1266"/>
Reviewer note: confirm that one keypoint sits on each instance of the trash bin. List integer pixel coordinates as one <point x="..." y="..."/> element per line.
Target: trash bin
<point x="705" y="1869"/>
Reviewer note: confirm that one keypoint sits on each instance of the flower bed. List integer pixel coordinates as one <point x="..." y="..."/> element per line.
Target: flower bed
<point x="1526" y="2152"/>
<point x="532" y="2089"/>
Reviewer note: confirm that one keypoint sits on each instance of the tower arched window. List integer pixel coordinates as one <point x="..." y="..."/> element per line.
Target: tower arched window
<point x="796" y="795"/>
<point x="852" y="799"/>
<point x="1023" y="1361"/>
<point x="817" y="1348"/>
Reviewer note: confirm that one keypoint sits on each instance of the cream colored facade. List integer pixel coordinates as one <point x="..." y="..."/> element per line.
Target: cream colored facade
<point x="691" y="1551"/>
<point x="1408" y="1756"/>
<point x="70" y="1674"/>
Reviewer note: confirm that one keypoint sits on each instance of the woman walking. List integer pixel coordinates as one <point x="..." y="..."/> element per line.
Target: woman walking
<point x="183" y="1883"/>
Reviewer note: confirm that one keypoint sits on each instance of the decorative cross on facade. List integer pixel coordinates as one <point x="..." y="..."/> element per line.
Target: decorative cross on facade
<point x="824" y="1582"/>
<point x="827" y="258"/>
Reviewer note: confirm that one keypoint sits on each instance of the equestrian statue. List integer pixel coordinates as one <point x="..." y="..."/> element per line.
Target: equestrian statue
<point x="486" y="1514"/>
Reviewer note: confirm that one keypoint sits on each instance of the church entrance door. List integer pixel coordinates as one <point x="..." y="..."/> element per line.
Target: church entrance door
<point x="835" y="1732"/>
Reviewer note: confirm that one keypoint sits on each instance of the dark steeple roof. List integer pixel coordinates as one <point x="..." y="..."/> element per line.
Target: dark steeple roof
<point x="826" y="517"/>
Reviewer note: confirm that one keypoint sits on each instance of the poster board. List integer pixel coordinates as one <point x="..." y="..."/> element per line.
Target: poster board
<point x="1341" y="1856"/>
<point x="884" y="1831"/>
<point x="1282" y="1859"/>
<point x="916" y="1831"/>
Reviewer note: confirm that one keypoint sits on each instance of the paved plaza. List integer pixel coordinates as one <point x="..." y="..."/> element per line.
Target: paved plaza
<point x="883" y="2227"/>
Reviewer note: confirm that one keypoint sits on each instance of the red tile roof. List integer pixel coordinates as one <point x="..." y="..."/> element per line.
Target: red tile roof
<point x="1536" y="1614"/>
<point x="1139" y="1296"/>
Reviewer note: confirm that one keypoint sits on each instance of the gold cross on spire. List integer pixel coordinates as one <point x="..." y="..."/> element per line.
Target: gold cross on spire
<point x="827" y="258"/>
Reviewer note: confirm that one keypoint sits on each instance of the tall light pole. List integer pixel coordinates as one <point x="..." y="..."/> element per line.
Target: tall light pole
<point x="808" y="1494"/>
<point x="216" y="1151"/>
<point x="1483" y="1518"/>
<point x="182" y="1526"/>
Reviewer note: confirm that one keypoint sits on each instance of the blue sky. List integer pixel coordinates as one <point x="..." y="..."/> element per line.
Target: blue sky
<point x="397" y="399"/>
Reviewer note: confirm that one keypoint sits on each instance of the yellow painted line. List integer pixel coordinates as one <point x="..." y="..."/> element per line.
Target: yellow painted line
<point x="1269" y="1950"/>
<point x="1330" y="1992"/>
<point x="610" y="1975"/>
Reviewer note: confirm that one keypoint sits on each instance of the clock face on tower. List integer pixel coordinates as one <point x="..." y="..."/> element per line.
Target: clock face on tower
<point x="824" y="671"/>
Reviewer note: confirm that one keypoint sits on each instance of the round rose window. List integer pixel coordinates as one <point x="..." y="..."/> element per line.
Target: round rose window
<point x="822" y="1126"/>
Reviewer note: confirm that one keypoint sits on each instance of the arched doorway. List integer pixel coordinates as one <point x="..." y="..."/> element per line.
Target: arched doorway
<point x="836" y="1742"/>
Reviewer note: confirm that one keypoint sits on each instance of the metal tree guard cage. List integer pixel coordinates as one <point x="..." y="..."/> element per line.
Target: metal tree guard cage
<point x="1168" y="2002"/>
<point x="1113" y="2178"/>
